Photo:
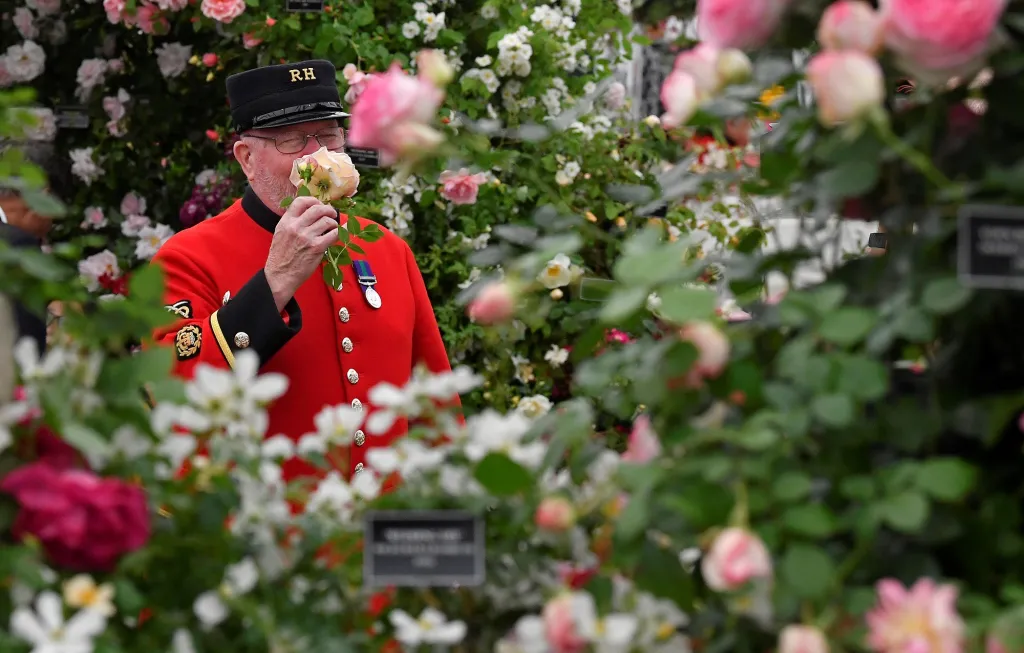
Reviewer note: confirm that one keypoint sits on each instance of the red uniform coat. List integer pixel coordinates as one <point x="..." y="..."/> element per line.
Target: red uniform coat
<point x="330" y="343"/>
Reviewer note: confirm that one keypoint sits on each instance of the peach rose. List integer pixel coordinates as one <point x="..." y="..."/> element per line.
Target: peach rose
<point x="802" y="639"/>
<point x="741" y="24"/>
<point x="332" y="174"/>
<point x="848" y="85"/>
<point x="735" y="558"/>
<point x="555" y="515"/>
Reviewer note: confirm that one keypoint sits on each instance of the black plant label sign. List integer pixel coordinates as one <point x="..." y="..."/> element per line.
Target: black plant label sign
<point x="990" y="246"/>
<point x="305" y="5"/>
<point x="363" y="157"/>
<point x="71" y="117"/>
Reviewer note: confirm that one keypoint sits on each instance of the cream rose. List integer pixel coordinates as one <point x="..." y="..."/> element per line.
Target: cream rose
<point x="332" y="176"/>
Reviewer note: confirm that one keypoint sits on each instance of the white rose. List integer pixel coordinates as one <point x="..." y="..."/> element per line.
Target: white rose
<point x="333" y="174"/>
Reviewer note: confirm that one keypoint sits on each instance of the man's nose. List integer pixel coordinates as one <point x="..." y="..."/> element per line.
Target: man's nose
<point x="312" y="145"/>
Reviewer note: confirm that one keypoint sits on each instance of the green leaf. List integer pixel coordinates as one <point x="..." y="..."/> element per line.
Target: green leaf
<point x="634" y="518"/>
<point x="343" y="259"/>
<point x="915" y="325"/>
<point x="757" y="438"/>
<point x="44" y="203"/>
<point x="623" y="303"/>
<point x="833" y="409"/>
<point x="791" y="486"/>
<point x="946" y="479"/>
<point x="303" y="191"/>
<point x="906" y="511"/>
<point x="502" y="476"/>
<point x="850" y="178"/>
<point x="828" y="298"/>
<point x="847" y="326"/>
<point x="353" y="226"/>
<point x="811" y="519"/>
<point x="356" y="248"/>
<point x="943" y="296"/>
<point x="660" y="573"/>
<point x="129" y="599"/>
<point x="681" y="304"/>
<point x="85" y="439"/>
<point x="863" y="378"/>
<point x="332" y="275"/>
<point x="286" y="202"/>
<point x="808" y="570"/>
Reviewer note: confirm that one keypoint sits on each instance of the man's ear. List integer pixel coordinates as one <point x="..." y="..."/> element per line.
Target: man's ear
<point x="243" y="154"/>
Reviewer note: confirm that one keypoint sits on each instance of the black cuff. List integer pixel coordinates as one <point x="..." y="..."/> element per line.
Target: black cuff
<point x="250" y="321"/>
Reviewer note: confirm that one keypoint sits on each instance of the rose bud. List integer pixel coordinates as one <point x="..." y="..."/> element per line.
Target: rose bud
<point x="680" y="96"/>
<point x="851" y="25"/>
<point x="555" y="515"/>
<point x="433" y="66"/>
<point x="847" y="85"/>
<point x="735" y="558"/>
<point x="734" y="67"/>
<point x="802" y="639"/>
<point x="712" y="349"/>
<point x="494" y="304"/>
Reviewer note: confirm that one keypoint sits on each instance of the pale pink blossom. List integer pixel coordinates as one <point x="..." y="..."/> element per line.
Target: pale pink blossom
<point x="114" y="105"/>
<point x="223" y="11"/>
<point x="94" y="218"/>
<point x="848" y="85"/>
<point x="133" y="204"/>
<point x="644" y="445"/>
<point x="712" y="350"/>
<point x="922" y="619"/>
<point x="461" y="187"/>
<point x="393" y="114"/>
<point x="680" y="97"/>
<point x="701" y="63"/>
<point x="938" y="39"/>
<point x="433" y="66"/>
<point x="115" y="65"/>
<point x="115" y="10"/>
<point x="99" y="265"/>
<point x="91" y="73"/>
<point x="249" y="41"/>
<point x="802" y="639"/>
<point x="555" y="515"/>
<point x="559" y="617"/>
<point x="356" y="80"/>
<point x="495" y="303"/>
<point x="171" y="5"/>
<point x="851" y="25"/>
<point x="736" y="557"/>
<point x="134" y="224"/>
<point x="741" y="24"/>
<point x="24" y="21"/>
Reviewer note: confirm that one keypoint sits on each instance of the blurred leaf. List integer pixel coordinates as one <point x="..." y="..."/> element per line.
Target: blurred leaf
<point x="502" y="476"/>
<point x="623" y="303"/>
<point x="850" y="178"/>
<point x="943" y="296"/>
<point x="847" y="326"/>
<point x="833" y="409"/>
<point x="947" y="479"/>
<point x="808" y="570"/>
<point x="811" y="519"/>
<point x="44" y="204"/>
<point x="661" y="573"/>
<point x="907" y="511"/>
<point x="791" y="486"/>
<point x="84" y="439"/>
<point x="863" y="378"/>
<point x="682" y="304"/>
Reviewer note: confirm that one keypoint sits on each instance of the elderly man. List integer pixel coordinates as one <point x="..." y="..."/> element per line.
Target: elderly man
<point x="251" y="278"/>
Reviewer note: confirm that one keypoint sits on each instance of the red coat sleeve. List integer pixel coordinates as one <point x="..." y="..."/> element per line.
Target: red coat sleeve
<point x="209" y="332"/>
<point x="427" y="344"/>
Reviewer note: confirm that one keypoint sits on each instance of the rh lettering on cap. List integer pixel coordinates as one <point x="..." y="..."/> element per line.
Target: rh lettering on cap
<point x="300" y="75"/>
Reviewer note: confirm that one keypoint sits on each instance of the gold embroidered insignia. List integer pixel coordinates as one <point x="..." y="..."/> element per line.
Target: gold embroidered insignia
<point x="181" y="308"/>
<point x="188" y="341"/>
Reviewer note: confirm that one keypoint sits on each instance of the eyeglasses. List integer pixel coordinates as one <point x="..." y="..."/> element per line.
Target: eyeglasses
<point x="294" y="142"/>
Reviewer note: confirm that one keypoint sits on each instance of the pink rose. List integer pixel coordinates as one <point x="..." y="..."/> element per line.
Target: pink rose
<point x="357" y="81"/>
<point x="132" y="203"/>
<point x="680" y="96"/>
<point x="712" y="350"/>
<point x="249" y="41"/>
<point x="851" y="25"/>
<point x="495" y="303"/>
<point x="802" y="639"/>
<point x="644" y="445"/>
<point x="848" y="85"/>
<point x="741" y="24"/>
<point x="115" y="10"/>
<point x="393" y="114"/>
<point x="560" y="625"/>
<point x="922" y="619"/>
<point x="461" y="187"/>
<point x="938" y="39"/>
<point x="84" y="522"/>
<point x="555" y="515"/>
<point x="223" y="11"/>
<point x="701" y="63"/>
<point x="149" y="20"/>
<point x="210" y="59"/>
<point x="735" y="558"/>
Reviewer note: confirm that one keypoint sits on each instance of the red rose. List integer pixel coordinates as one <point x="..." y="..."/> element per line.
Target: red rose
<point x="84" y="522"/>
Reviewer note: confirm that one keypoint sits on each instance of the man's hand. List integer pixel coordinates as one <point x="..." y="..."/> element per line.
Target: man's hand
<point x="303" y="234"/>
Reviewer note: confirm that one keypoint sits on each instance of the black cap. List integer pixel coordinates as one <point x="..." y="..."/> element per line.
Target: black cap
<point x="287" y="94"/>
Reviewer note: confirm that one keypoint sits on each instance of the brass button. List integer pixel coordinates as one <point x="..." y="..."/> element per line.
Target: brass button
<point x="360" y="438"/>
<point x="359" y="467"/>
<point x="358" y="405"/>
<point x="346" y="344"/>
<point x="343" y="314"/>
<point x="241" y="339"/>
<point x="353" y="376"/>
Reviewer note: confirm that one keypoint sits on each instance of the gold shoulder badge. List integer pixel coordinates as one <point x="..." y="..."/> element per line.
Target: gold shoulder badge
<point x="188" y="341"/>
<point x="181" y="308"/>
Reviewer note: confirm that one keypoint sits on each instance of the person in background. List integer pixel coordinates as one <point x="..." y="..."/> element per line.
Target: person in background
<point x="22" y="227"/>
